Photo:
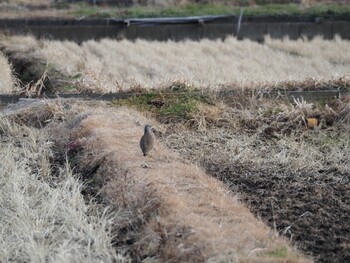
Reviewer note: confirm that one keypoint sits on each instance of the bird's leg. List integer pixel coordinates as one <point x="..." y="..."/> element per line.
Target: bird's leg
<point x="145" y="165"/>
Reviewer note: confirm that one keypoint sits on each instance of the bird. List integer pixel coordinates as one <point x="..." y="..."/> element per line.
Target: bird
<point x="147" y="141"/>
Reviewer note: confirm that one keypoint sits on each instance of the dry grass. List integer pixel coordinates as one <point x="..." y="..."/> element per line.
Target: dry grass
<point x="263" y="134"/>
<point x="269" y="137"/>
<point x="43" y="215"/>
<point x="30" y="8"/>
<point x="7" y="81"/>
<point x="110" y="65"/>
<point x="29" y="2"/>
<point x="310" y="152"/>
<point x="317" y="48"/>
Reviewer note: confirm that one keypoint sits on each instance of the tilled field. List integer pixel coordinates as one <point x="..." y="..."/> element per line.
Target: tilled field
<point x="313" y="210"/>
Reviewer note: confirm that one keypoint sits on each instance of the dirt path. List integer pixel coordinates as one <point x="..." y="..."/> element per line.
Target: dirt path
<point x="171" y="211"/>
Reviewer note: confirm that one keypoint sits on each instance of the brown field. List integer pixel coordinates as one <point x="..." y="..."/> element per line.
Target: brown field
<point x="171" y="207"/>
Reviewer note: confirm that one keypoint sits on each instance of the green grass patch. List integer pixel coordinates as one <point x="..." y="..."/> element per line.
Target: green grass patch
<point x="70" y="88"/>
<point x="186" y="10"/>
<point x="322" y="102"/>
<point x="179" y="102"/>
<point x="293" y="9"/>
<point x="280" y="252"/>
<point x="62" y="5"/>
<point x="273" y="10"/>
<point x="85" y="10"/>
<point x="326" y="10"/>
<point x="146" y="12"/>
<point x="76" y="76"/>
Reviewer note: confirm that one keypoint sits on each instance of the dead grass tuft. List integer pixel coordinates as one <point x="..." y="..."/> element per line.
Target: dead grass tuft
<point x="8" y="83"/>
<point x="267" y="133"/>
<point x="342" y="110"/>
<point x="35" y="75"/>
<point x="43" y="215"/>
<point x="209" y="116"/>
<point x="36" y="113"/>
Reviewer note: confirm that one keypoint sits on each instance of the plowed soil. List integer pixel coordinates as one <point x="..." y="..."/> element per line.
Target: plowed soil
<point x="313" y="210"/>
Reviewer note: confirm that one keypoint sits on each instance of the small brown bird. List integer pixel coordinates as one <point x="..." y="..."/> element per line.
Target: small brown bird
<point x="147" y="141"/>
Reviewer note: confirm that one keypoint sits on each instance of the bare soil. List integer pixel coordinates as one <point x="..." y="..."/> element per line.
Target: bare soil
<point x="313" y="210"/>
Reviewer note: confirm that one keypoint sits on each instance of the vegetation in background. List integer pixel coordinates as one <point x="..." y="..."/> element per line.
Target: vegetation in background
<point x="171" y="8"/>
<point x="85" y="10"/>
